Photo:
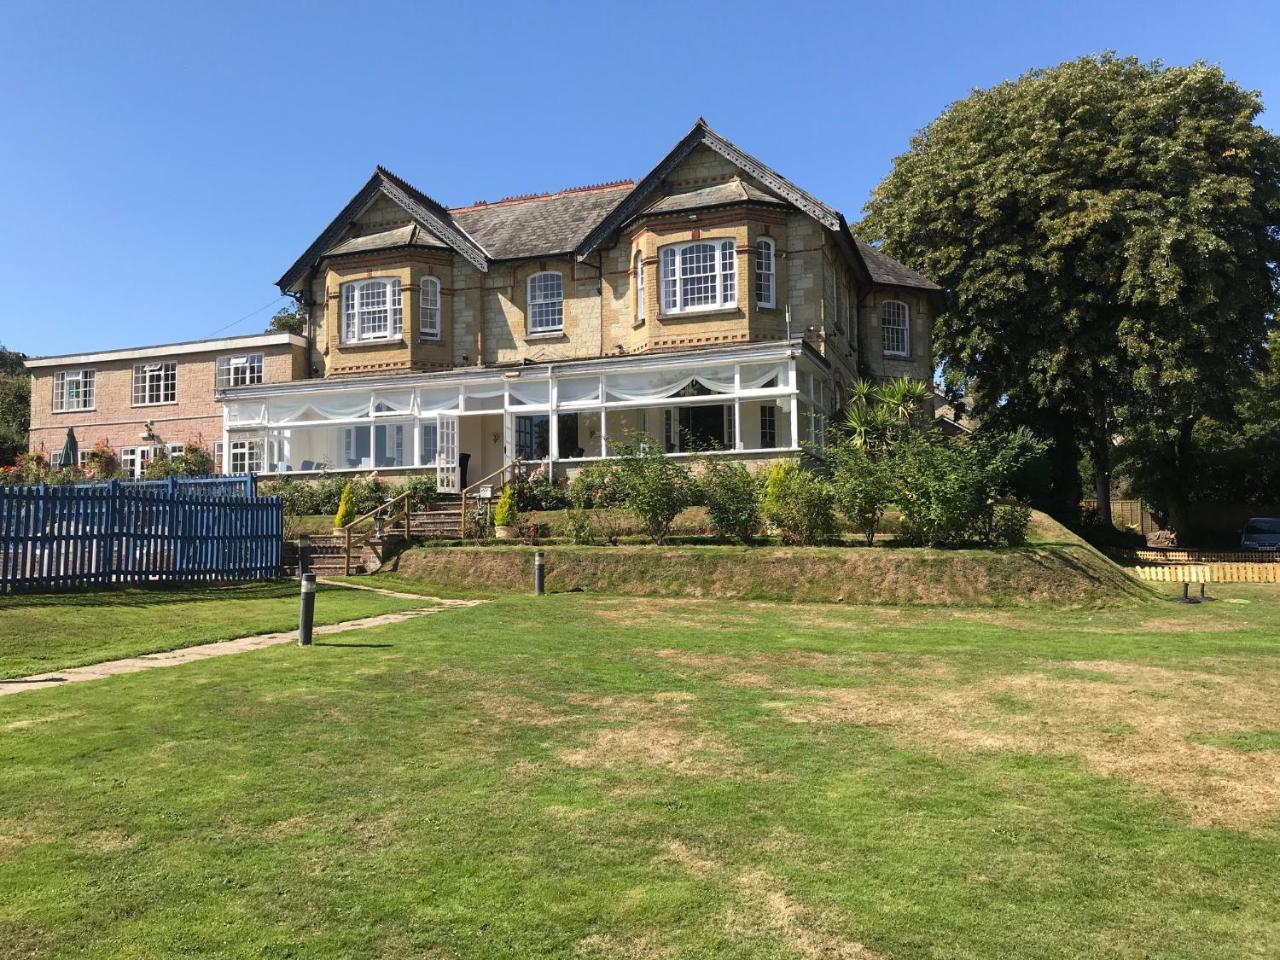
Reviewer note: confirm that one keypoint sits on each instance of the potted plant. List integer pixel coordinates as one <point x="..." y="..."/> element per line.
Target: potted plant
<point x="504" y="515"/>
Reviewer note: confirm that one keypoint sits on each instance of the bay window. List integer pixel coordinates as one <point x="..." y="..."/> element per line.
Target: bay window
<point x="639" y="275"/>
<point x="699" y="276"/>
<point x="371" y="310"/>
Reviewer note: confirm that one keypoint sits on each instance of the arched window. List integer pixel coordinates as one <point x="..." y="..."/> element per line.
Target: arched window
<point x="895" y="328"/>
<point x="546" y="302"/>
<point x="639" y="275"/>
<point x="765" y="296"/>
<point x="429" y="309"/>
<point x="371" y="310"/>
<point x="699" y="276"/>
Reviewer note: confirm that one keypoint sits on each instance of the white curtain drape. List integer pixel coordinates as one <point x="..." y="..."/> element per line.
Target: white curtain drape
<point x="536" y="394"/>
<point x="437" y="399"/>
<point x="342" y="406"/>
<point x="585" y="390"/>
<point x="392" y="401"/>
<point x="246" y="413"/>
<point x="647" y="386"/>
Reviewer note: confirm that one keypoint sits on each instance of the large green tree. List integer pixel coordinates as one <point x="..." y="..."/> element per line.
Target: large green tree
<point x="15" y="405"/>
<point x="1107" y="234"/>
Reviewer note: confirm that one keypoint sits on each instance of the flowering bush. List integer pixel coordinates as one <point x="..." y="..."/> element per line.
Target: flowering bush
<point x="732" y="501"/>
<point x="652" y="486"/>
<point x="798" y="503"/>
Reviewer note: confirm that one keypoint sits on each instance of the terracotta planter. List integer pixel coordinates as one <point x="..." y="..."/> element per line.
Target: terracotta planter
<point x="504" y="533"/>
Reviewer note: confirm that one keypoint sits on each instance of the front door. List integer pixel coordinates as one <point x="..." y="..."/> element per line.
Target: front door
<point x="448" y="476"/>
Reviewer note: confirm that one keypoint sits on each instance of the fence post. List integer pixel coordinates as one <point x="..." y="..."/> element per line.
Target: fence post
<point x="248" y="485"/>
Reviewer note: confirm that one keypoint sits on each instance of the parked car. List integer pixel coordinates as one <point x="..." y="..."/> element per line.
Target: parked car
<point x="1261" y="533"/>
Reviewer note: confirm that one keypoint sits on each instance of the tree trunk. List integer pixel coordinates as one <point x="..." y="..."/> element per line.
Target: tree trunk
<point x="1177" y="499"/>
<point x="1100" y="449"/>
<point x="1065" y="490"/>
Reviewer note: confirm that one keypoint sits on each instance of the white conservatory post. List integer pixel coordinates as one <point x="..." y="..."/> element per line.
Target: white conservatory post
<point x="604" y="420"/>
<point x="553" y="424"/>
<point x="795" y="402"/>
<point x="737" y="407"/>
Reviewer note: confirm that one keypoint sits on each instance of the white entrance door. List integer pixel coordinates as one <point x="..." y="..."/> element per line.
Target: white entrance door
<point x="448" y="476"/>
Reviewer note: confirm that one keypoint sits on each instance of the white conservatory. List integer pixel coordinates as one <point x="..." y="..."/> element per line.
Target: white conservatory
<point x="753" y="402"/>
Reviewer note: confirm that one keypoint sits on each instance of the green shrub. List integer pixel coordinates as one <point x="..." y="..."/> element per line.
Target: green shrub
<point x="194" y="461"/>
<point x="862" y="489"/>
<point x="798" y="503"/>
<point x="653" y="487"/>
<point x="367" y="493"/>
<point x="596" y="485"/>
<point x="346" y="509"/>
<point x="577" y="526"/>
<point x="421" y="490"/>
<point x="1009" y="524"/>
<point x="947" y="490"/>
<point x="538" y="491"/>
<point x="504" y="512"/>
<point x="732" y="500"/>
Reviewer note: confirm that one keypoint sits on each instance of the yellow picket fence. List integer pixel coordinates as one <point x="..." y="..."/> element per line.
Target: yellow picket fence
<point x="1210" y="573"/>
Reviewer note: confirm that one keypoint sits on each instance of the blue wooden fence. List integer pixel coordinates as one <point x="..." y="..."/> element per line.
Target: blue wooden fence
<point x="74" y="536"/>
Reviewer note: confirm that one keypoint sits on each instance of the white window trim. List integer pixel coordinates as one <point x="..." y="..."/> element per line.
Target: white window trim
<point x="772" y="300"/>
<point x="82" y="375"/>
<point x="424" y="333"/>
<point x="245" y="450"/>
<point x="253" y="363"/>
<point x="675" y="251"/>
<point x="395" y="311"/>
<point x="906" y="328"/>
<point x="530" y="329"/>
<point x="146" y="369"/>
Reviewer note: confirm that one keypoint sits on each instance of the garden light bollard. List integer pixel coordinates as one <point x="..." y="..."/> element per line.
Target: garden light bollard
<point x="539" y="572"/>
<point x="304" y="554"/>
<point x="306" y="609"/>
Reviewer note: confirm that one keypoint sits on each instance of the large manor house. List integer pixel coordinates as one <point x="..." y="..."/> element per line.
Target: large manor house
<point x="713" y="305"/>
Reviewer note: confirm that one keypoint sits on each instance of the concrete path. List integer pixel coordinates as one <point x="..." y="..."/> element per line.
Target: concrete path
<point x="222" y="648"/>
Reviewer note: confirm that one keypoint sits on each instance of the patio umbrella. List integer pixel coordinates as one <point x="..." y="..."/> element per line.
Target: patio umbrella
<point x="70" y="450"/>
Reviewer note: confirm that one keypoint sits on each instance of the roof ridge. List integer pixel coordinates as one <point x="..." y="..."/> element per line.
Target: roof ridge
<point x="530" y="197"/>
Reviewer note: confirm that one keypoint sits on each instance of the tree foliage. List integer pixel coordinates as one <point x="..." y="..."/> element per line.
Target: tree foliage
<point x="288" y="320"/>
<point x="1107" y="232"/>
<point x="15" y="405"/>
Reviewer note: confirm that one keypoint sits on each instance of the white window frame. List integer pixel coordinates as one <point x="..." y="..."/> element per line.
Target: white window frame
<point x="896" y="324"/>
<point x="671" y="260"/>
<point x="86" y="382"/>
<point x="766" y="272"/>
<point x="217" y="457"/>
<point x="535" y="326"/>
<point x="240" y="370"/>
<point x="360" y="321"/>
<point x="134" y="460"/>
<point x="158" y="378"/>
<point x="429" y="326"/>
<point x="769" y="425"/>
<point x="639" y="278"/>
<point x="247" y="454"/>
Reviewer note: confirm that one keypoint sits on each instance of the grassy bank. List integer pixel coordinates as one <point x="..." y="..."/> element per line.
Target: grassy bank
<point x="1062" y="574"/>
<point x="592" y="777"/>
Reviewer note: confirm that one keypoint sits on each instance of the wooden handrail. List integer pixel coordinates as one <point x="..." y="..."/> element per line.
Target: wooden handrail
<point x="376" y="510"/>
<point x="383" y="508"/>
<point x="502" y="469"/>
<point x="462" y="503"/>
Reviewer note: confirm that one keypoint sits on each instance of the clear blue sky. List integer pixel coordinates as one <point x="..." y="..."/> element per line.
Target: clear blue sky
<point x="161" y="164"/>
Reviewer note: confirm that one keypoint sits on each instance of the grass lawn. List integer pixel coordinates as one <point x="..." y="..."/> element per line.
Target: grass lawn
<point x="54" y="631"/>
<point x="597" y="777"/>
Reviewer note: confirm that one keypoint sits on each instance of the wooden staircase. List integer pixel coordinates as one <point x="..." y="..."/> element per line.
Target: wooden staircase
<point x="365" y="541"/>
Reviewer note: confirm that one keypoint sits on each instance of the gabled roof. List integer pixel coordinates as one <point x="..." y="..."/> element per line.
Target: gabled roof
<point x="703" y="135"/>
<point x="717" y="195"/>
<point x="410" y="235"/>
<point x="541" y="225"/>
<point x="426" y="212"/>
<point x="885" y="269"/>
